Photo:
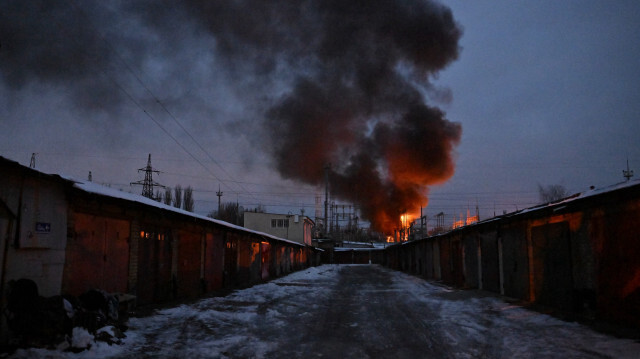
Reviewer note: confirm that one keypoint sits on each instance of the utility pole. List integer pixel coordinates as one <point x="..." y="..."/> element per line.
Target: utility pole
<point x="440" y="222"/>
<point x="148" y="183"/>
<point x="423" y="223"/>
<point x="238" y="212"/>
<point x="628" y="173"/>
<point x="219" y="194"/>
<point x="355" y="217"/>
<point x="326" y="198"/>
<point x="331" y="220"/>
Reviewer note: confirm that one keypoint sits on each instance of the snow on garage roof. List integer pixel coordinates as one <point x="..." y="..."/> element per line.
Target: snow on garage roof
<point x="101" y="190"/>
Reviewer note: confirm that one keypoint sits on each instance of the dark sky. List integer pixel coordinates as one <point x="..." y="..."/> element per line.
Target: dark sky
<point x="243" y="95"/>
<point x="547" y="93"/>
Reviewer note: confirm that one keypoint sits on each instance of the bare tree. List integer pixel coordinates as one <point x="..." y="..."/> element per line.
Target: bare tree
<point x="552" y="193"/>
<point x="230" y="212"/>
<point x="177" y="196"/>
<point x="187" y="204"/>
<point x="168" y="196"/>
<point x="258" y="209"/>
<point x="158" y="196"/>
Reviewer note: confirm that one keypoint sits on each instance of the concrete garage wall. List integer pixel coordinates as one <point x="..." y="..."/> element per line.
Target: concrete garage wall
<point x="35" y="237"/>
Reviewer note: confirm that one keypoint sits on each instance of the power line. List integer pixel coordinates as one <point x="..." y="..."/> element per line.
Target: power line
<point x="133" y="100"/>
<point x="157" y="100"/>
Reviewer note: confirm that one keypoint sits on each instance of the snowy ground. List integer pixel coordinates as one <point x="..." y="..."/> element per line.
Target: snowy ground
<point x="356" y="311"/>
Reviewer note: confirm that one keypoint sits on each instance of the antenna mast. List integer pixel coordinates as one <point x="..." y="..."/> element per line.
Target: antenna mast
<point x="219" y="194"/>
<point x="32" y="164"/>
<point x="326" y="198"/>
<point x="628" y="173"/>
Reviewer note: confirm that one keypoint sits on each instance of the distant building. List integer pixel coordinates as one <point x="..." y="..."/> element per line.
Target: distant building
<point x="293" y="227"/>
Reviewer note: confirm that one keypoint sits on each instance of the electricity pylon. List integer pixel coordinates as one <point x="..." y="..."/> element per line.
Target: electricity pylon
<point x="148" y="183"/>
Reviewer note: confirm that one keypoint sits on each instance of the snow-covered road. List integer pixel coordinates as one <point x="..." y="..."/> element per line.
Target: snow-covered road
<point x="354" y="311"/>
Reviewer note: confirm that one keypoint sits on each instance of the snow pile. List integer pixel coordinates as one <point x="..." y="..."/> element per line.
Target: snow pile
<point x="81" y="338"/>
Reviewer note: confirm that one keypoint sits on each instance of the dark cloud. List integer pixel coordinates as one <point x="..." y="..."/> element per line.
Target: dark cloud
<point x="340" y="82"/>
<point x="43" y="40"/>
<point x="54" y="42"/>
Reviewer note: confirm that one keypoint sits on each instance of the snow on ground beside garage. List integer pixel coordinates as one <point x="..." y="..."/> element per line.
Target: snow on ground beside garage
<point x="244" y="323"/>
<point x="211" y="327"/>
<point x="467" y="316"/>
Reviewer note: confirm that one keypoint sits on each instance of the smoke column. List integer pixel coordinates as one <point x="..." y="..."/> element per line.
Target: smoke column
<point x="359" y="71"/>
<point x="331" y="82"/>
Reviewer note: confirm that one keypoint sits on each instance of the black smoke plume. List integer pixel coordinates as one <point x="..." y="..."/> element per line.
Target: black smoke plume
<point x="359" y="70"/>
<point x="340" y="83"/>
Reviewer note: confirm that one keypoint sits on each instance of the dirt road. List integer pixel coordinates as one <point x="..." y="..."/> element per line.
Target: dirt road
<point x="373" y="312"/>
<point x="365" y="316"/>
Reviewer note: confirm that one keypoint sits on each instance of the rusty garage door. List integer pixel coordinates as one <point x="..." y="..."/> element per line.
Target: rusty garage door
<point x="552" y="265"/>
<point x="97" y="255"/>
<point x="213" y="261"/>
<point x="189" y="250"/>
<point x="154" y="265"/>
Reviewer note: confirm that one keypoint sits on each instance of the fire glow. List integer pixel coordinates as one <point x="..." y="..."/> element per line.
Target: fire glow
<point x="465" y="222"/>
